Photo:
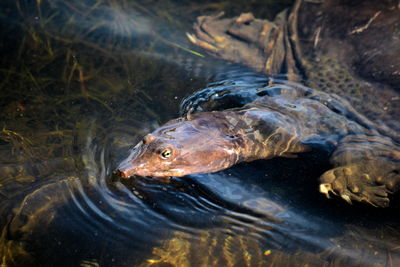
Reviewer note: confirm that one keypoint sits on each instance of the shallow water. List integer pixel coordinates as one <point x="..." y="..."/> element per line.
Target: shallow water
<point x="81" y="83"/>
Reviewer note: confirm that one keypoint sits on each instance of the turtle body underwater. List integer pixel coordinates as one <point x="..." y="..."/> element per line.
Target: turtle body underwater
<point x="352" y="110"/>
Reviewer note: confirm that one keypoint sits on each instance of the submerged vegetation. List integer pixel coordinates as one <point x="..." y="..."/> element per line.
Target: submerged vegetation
<point x="64" y="61"/>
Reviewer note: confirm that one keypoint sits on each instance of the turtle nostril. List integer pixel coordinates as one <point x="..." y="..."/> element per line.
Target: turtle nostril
<point x="121" y="174"/>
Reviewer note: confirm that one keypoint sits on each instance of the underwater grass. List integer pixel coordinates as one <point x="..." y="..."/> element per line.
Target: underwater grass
<point x="66" y="60"/>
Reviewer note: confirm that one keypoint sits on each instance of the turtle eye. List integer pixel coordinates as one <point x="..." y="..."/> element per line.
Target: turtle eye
<point x="166" y="153"/>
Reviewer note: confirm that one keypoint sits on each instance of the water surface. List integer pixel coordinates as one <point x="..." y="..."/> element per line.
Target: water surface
<point x="84" y="81"/>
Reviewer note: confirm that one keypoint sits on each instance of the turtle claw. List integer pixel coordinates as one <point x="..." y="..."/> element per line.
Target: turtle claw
<point x="347" y="198"/>
<point x="202" y="44"/>
<point x="326" y="189"/>
<point x="351" y="183"/>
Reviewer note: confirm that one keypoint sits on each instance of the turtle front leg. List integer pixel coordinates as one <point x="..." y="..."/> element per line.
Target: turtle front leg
<point x="244" y="89"/>
<point x="230" y="93"/>
<point x="367" y="169"/>
<point x="259" y="44"/>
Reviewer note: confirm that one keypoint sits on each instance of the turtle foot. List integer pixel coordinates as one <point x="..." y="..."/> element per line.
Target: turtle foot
<point x="368" y="182"/>
<point x="243" y="39"/>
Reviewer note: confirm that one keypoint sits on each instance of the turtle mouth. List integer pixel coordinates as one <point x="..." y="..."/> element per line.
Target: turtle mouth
<point x="127" y="169"/>
<point x="162" y="174"/>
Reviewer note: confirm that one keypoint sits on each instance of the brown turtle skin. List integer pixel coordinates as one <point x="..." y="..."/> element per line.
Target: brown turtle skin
<point x="213" y="141"/>
<point x="296" y="120"/>
<point x="366" y="153"/>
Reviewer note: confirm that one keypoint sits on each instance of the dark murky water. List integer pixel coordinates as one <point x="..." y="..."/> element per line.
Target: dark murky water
<point x="83" y="81"/>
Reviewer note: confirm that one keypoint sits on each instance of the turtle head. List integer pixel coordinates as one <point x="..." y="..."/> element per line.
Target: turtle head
<point x="181" y="147"/>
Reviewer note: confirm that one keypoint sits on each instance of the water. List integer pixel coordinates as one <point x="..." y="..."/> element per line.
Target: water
<point x="83" y="81"/>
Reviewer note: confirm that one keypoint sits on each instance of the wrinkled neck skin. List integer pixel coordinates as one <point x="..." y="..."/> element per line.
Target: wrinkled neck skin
<point x="212" y="141"/>
<point x="262" y="135"/>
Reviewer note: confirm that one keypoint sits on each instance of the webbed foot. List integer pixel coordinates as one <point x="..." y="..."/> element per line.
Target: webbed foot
<point x="369" y="181"/>
<point x="256" y="43"/>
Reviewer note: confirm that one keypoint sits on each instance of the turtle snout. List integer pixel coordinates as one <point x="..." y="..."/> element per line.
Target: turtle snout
<point x="125" y="169"/>
<point x="122" y="173"/>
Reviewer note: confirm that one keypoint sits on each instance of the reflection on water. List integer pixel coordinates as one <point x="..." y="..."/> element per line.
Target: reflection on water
<point x="86" y="80"/>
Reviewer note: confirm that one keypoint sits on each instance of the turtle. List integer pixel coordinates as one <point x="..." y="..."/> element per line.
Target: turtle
<point x="325" y="101"/>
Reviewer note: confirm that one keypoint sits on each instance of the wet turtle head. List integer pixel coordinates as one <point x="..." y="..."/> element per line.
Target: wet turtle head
<point x="179" y="148"/>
